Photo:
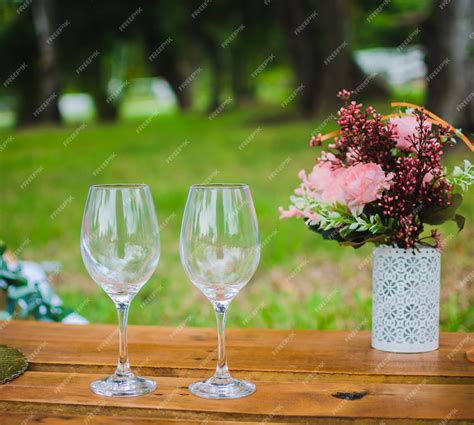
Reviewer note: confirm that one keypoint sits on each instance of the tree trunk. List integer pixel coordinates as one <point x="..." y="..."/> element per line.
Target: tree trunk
<point x="106" y="110"/>
<point x="243" y="87"/>
<point x="28" y="93"/>
<point x="175" y="76"/>
<point x="318" y="42"/>
<point x="212" y="50"/>
<point x="169" y="66"/>
<point x="105" y="105"/>
<point x="50" y="87"/>
<point x="336" y="57"/>
<point x="450" y="69"/>
<point x="303" y="52"/>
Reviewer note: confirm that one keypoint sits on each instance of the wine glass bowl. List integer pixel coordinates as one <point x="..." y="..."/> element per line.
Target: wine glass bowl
<point x="120" y="246"/>
<point x="220" y="251"/>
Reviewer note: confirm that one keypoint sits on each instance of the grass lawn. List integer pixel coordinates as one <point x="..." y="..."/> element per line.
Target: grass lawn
<point x="302" y="282"/>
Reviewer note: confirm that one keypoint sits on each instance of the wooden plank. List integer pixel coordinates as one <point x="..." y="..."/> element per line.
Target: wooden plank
<point x="312" y="356"/>
<point x="11" y="418"/>
<point x="65" y="394"/>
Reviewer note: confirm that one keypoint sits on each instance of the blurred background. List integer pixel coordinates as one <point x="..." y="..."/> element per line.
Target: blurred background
<point x="174" y="93"/>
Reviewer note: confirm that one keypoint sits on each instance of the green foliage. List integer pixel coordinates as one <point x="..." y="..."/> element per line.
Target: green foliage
<point x="440" y="215"/>
<point x="169" y="298"/>
<point x="24" y="300"/>
<point x="462" y="177"/>
<point x="336" y="222"/>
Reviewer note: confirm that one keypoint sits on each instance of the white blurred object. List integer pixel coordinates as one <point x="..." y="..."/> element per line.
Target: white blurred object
<point x="76" y="106"/>
<point x="163" y="93"/>
<point x="398" y="66"/>
<point x="36" y="275"/>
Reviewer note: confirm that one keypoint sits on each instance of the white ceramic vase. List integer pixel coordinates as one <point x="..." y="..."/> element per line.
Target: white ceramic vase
<point x="405" y="306"/>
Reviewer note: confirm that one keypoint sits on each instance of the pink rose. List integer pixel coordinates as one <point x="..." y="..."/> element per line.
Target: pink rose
<point x="406" y="127"/>
<point x="362" y="184"/>
<point x="324" y="181"/>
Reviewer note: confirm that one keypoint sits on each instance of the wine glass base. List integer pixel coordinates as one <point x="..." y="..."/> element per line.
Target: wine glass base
<point x="118" y="386"/>
<point x="236" y="389"/>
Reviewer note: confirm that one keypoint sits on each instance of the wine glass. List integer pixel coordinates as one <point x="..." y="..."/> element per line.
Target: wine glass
<point x="220" y="251"/>
<point x="120" y="246"/>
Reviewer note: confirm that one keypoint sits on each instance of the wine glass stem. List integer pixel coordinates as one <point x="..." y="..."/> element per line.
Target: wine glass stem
<point x="222" y="374"/>
<point x="123" y="367"/>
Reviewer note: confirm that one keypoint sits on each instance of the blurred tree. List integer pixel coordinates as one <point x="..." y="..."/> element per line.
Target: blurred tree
<point x="448" y="36"/>
<point x="86" y="47"/>
<point x="378" y="23"/>
<point x="19" y="52"/>
<point x="43" y="12"/>
<point x="169" y="47"/>
<point x="317" y="35"/>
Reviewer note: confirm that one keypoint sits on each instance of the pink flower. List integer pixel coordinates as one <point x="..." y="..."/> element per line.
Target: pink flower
<point x="362" y="184"/>
<point x="312" y="216"/>
<point x="292" y="212"/>
<point x="406" y="127"/>
<point x="324" y="183"/>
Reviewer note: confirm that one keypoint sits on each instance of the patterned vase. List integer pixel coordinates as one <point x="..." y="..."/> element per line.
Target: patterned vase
<point x="405" y="305"/>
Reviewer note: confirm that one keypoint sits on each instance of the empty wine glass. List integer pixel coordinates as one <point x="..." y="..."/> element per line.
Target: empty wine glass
<point x="220" y="251"/>
<point x="120" y="246"/>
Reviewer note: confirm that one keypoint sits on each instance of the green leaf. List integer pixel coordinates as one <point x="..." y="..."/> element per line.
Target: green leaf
<point x="460" y="221"/>
<point x="440" y="215"/>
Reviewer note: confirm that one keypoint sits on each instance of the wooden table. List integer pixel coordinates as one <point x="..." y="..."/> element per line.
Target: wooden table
<point x="301" y="376"/>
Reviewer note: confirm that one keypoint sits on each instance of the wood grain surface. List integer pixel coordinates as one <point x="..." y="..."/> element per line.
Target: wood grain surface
<point x="300" y="376"/>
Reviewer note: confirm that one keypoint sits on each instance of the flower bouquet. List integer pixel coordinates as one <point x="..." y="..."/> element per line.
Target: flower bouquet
<point x="380" y="180"/>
